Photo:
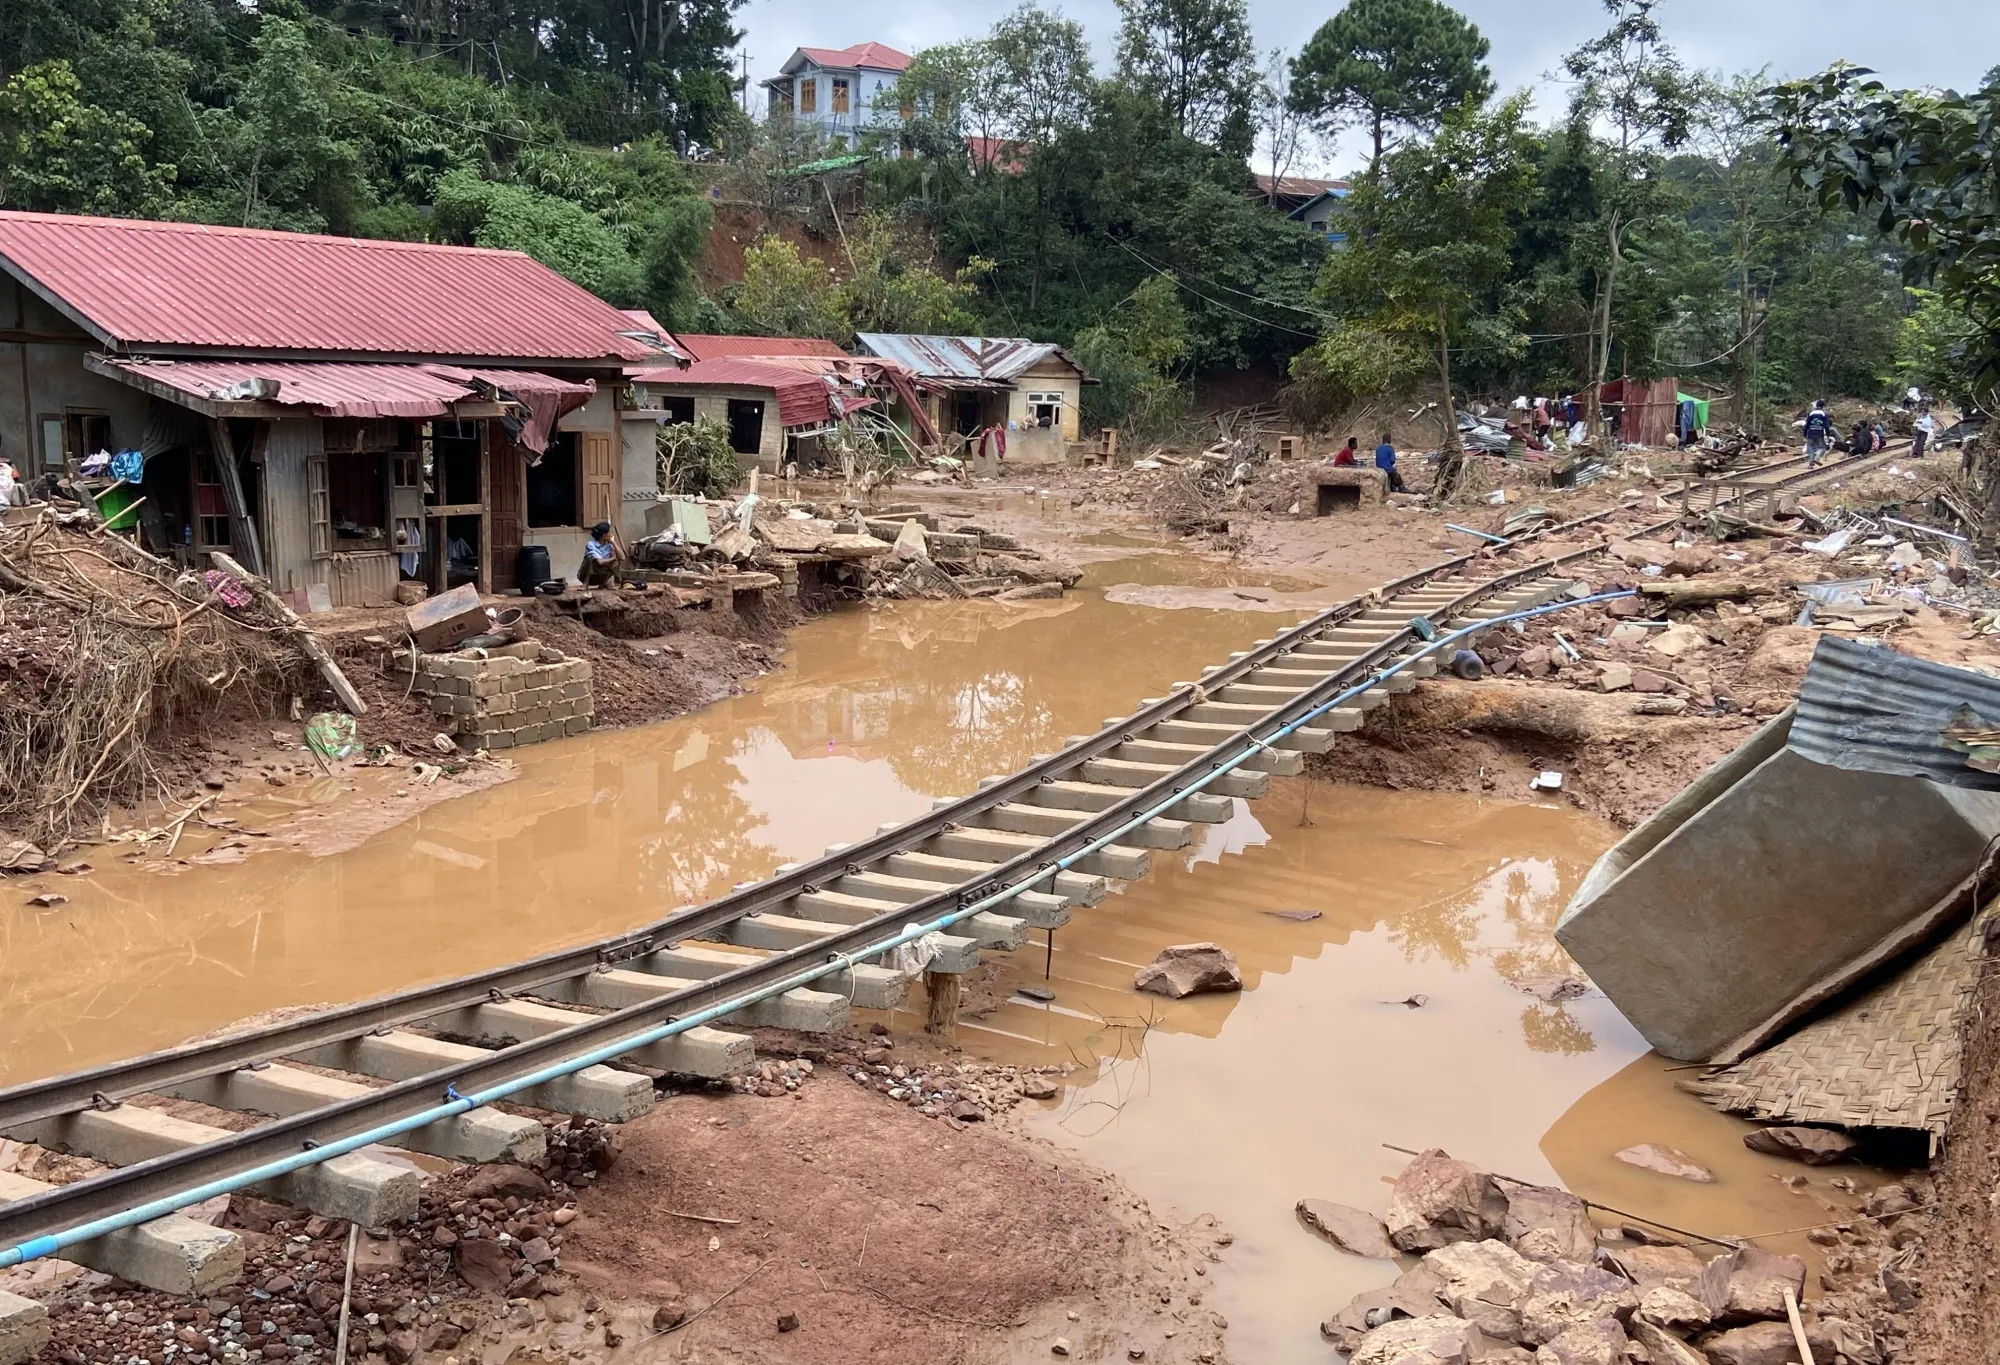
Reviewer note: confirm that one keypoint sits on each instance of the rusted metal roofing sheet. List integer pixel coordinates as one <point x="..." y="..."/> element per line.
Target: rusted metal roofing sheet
<point x="1871" y="709"/>
<point x="145" y="286"/>
<point x="976" y="359"/>
<point x="701" y="347"/>
<point x="335" y="389"/>
<point x="804" y="400"/>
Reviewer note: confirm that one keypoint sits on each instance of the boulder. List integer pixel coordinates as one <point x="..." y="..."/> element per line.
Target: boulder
<point x="1674" y="1309"/>
<point x="1435" y="1340"/>
<point x="1686" y="563"/>
<point x="484" y="1264"/>
<point x="1486" y="1283"/>
<point x="1413" y="1295"/>
<point x="500" y="1180"/>
<point x="1814" y="1146"/>
<point x="1350" y="1229"/>
<point x="1651" y="1156"/>
<point x="1548" y="1225"/>
<point x="1567" y="1295"/>
<point x="1190" y="969"/>
<point x="1593" y="1343"/>
<point x="1761" y="1343"/>
<point x="1639" y="553"/>
<point x="1651" y="1267"/>
<point x="1663" y="1346"/>
<point x="1748" y="1285"/>
<point x="1439" y="1200"/>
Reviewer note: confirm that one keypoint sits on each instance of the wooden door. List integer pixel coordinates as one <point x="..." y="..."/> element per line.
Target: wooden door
<point x="507" y="508"/>
<point x="600" y="479"/>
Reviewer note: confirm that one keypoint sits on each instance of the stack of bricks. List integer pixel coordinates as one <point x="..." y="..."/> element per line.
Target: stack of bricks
<point x="502" y="698"/>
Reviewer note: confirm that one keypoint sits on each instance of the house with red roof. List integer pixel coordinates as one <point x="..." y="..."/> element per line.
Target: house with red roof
<point x="840" y="92"/>
<point x="339" y="415"/>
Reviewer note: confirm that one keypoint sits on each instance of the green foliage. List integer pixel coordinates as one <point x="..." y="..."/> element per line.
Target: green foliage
<point x="1352" y="364"/>
<point x="1194" y="61"/>
<point x="61" y="154"/>
<point x="894" y="287"/>
<point x="1135" y="356"/>
<point x="564" y="237"/>
<point x="1937" y="349"/>
<point x="1836" y="325"/>
<point x="785" y="294"/>
<point x="696" y="459"/>
<point x="1391" y="64"/>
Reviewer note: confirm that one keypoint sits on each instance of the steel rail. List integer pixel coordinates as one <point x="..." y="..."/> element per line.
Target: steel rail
<point x="66" y="1205"/>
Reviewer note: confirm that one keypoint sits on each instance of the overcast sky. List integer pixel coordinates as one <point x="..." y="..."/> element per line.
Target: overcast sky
<point x="1910" y="42"/>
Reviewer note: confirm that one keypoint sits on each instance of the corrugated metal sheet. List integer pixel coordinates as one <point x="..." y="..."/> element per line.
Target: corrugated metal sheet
<point x="804" y="400"/>
<point x="990" y="359"/>
<point x="334" y="389"/>
<point x="179" y="284"/>
<point x="288" y="560"/>
<point x="1870" y="709"/>
<point x="702" y="347"/>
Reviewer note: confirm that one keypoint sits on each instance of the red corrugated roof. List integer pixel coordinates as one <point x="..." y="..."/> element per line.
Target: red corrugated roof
<point x="334" y="389"/>
<point x="804" y="400"/>
<point x="702" y="347"/>
<point x="143" y="285"/>
<point x="876" y="56"/>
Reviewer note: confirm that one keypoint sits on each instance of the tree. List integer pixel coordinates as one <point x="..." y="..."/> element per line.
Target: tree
<point x="60" y="154"/>
<point x="1432" y="231"/>
<point x="1391" y="64"/>
<point x="1195" y="61"/>
<point x="1281" y="126"/>
<point x="894" y="288"/>
<point x="1629" y="80"/>
<point x="561" y="235"/>
<point x="785" y="294"/>
<point x="1134" y="355"/>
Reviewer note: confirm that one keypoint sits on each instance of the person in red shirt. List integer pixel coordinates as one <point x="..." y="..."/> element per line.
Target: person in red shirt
<point x="1344" y="457"/>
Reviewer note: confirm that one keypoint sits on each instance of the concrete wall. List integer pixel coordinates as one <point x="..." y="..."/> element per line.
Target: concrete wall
<point x="565" y="543"/>
<point x="712" y="402"/>
<point x="639" y="488"/>
<point x="1770" y="877"/>
<point x="41" y="373"/>
<point x="1051" y="376"/>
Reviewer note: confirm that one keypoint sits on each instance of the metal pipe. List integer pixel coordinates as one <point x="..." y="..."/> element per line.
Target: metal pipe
<point x="1467" y="530"/>
<point x="1927" y="530"/>
<point x="456" y="1104"/>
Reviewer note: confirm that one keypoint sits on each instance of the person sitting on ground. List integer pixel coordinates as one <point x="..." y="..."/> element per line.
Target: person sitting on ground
<point x="1385" y="460"/>
<point x="1861" y="440"/>
<point x="601" y="556"/>
<point x="1344" y="458"/>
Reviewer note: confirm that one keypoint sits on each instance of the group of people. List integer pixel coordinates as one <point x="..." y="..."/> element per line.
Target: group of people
<point x="1546" y="422"/>
<point x="1348" y="456"/>
<point x="1866" y="437"/>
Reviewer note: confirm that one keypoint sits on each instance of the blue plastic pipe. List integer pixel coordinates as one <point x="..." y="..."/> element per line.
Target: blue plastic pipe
<point x="53" y="1243"/>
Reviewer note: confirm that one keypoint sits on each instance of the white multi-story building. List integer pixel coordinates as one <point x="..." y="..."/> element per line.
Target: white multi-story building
<point x="843" y="92"/>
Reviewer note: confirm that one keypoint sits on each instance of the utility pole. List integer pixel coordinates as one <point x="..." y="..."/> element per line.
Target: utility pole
<point x="746" y="85"/>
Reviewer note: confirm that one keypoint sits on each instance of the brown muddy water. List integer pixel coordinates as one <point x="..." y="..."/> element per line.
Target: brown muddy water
<point x="1236" y="1106"/>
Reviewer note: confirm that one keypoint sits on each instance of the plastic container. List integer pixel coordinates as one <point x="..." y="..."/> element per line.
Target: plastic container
<point x="531" y="568"/>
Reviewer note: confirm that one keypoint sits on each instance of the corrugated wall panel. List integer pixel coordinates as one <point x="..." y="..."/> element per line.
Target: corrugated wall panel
<point x="287" y="541"/>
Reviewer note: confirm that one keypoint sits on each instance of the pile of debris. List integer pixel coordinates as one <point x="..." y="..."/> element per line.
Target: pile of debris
<point x="1513" y="1272"/>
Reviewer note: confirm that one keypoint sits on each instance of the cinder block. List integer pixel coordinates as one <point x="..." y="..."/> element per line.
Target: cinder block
<point x="574" y="690"/>
<point x="174" y="1254"/>
<point x="514" y="683"/>
<point x="499" y="739"/>
<point x="576" y="725"/>
<point x="580" y="670"/>
<point x="487" y="687"/>
<point x="504" y="664"/>
<point x="24" y="1328"/>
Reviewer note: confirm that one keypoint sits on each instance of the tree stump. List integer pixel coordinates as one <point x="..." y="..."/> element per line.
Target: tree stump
<point x="941" y="991"/>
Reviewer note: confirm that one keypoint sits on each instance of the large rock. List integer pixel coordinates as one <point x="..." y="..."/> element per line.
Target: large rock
<point x="1748" y="1285"/>
<point x="1814" y="1146"/>
<point x="1651" y="1156"/>
<point x="500" y="1180"/>
<point x="1596" y="1343"/>
<point x="1566" y="1295"/>
<point x="1663" y="1346"/>
<point x="1046" y="569"/>
<point x="1435" y="1340"/>
<point x="1190" y="969"/>
<point x="1674" y="1309"/>
<point x="1761" y="1343"/>
<point x="1485" y="1283"/>
<point x="1439" y="1200"/>
<point x="1350" y="1229"/>
<point x="485" y="1264"/>
<point x="1650" y="1267"/>
<point x="1413" y="1295"/>
<point x="1549" y="1225"/>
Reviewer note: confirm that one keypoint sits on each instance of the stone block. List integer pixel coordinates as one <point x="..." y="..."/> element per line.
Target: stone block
<point x="514" y="682"/>
<point x="1329" y="490"/>
<point x="24" y="1328"/>
<point x="576" y="725"/>
<point x="487" y="686"/>
<point x="573" y="690"/>
<point x="581" y="670"/>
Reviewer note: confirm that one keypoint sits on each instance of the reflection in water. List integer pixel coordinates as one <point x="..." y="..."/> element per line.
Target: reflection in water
<point x="878" y="713"/>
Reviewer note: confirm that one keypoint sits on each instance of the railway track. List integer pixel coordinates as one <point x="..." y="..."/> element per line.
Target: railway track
<point x="422" y="1068"/>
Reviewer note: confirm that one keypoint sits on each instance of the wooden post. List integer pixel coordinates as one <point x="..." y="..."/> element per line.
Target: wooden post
<point x="941" y="990"/>
<point x="299" y="631"/>
<point x="242" y="530"/>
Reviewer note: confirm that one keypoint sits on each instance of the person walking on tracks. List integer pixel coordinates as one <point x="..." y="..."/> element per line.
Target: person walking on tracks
<point x="1926" y="427"/>
<point x="1819" y="432"/>
<point x="1385" y="460"/>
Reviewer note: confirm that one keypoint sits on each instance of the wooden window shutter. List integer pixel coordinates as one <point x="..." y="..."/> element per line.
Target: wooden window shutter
<point x="319" y="508"/>
<point x="600" y="479"/>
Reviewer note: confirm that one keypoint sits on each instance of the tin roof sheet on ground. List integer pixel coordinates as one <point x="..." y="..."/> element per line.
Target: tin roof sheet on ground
<point x="1869" y="708"/>
<point x="988" y="359"/>
<point x="146" y="285"/>
<point x="335" y="389"/>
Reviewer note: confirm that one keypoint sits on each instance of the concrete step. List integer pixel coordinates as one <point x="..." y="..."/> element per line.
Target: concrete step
<point x="999" y="846"/>
<point x="597" y="1092"/>
<point x="1076" y="888"/>
<point x="1200" y="808"/>
<point x="1143" y="762"/>
<point x="986" y="929"/>
<point x="1309" y="740"/>
<point x="359" y="1189"/>
<point x="701" y="1051"/>
<point x="174" y="1254"/>
<point x="1037" y="909"/>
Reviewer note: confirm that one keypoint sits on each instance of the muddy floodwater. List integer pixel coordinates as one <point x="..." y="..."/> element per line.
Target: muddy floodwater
<point x="1378" y="931"/>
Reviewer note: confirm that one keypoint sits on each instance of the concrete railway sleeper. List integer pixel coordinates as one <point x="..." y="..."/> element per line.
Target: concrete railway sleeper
<point x="1038" y="837"/>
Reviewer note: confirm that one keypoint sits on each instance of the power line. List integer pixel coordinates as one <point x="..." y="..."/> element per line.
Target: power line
<point x="1217" y="303"/>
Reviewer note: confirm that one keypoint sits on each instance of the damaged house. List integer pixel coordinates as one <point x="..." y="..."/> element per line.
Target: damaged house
<point x="340" y="415"/>
<point x="1029" y="390"/>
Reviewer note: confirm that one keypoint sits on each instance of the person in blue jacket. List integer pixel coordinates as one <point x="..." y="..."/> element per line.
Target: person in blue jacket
<point x="1385" y="460"/>
<point x="1819" y="432"/>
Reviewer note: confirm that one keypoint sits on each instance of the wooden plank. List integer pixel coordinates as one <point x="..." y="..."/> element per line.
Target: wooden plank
<point x="299" y="631"/>
<point x="242" y="530"/>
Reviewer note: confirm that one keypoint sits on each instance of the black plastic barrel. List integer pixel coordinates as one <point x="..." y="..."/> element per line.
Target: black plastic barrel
<point x="531" y="569"/>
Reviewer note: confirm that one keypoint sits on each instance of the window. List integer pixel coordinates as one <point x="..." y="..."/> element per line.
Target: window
<point x="746" y="426"/>
<point x="1045" y="409"/>
<point x="357" y="494"/>
<point x="211" y="506"/>
<point x="552" y="488"/>
<point x="839" y="94"/>
<point x="808" y="96"/>
<point x="679" y="409"/>
<point x="319" y="509"/>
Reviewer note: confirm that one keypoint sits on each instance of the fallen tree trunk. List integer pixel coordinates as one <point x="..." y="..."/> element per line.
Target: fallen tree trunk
<point x="1695" y="593"/>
